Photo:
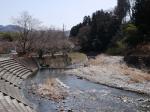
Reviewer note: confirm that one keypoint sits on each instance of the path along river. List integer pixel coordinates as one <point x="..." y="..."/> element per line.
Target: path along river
<point x="85" y="96"/>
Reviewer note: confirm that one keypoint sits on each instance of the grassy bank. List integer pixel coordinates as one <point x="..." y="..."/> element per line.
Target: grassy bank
<point x="77" y="57"/>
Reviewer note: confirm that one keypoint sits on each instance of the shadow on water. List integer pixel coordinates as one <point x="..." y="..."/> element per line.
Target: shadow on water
<point x="86" y="96"/>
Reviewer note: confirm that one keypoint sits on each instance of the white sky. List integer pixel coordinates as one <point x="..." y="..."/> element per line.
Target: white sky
<point x="53" y="12"/>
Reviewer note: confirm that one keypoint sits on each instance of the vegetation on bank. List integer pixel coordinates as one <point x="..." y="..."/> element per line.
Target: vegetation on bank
<point x="77" y="57"/>
<point x="62" y="61"/>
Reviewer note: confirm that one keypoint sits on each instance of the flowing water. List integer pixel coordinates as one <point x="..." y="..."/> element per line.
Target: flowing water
<point x="85" y="96"/>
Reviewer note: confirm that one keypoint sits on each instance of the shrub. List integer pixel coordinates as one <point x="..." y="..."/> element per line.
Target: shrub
<point x="118" y="49"/>
<point x="131" y="35"/>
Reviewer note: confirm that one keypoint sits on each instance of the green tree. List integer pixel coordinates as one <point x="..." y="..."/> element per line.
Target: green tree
<point x="131" y="35"/>
<point x="123" y="7"/>
<point x="83" y="37"/>
<point x="141" y="18"/>
<point x="75" y="30"/>
<point x="104" y="27"/>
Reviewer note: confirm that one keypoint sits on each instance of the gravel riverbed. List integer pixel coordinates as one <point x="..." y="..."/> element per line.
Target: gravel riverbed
<point x="113" y="71"/>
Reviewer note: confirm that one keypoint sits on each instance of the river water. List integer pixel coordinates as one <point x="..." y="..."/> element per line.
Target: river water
<point x="85" y="96"/>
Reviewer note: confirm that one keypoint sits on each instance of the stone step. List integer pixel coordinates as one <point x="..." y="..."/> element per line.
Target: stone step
<point x="21" y="73"/>
<point x="18" y="81"/>
<point x="26" y="74"/>
<point x="14" y="92"/>
<point x="12" y="74"/>
<point x="12" y="67"/>
<point x="9" y="82"/>
<point x="1" y="68"/>
<point x="9" y="100"/>
<point x="12" y="79"/>
<point x="5" y="103"/>
<point x="20" y="69"/>
<point x="11" y="61"/>
<point x="29" y="109"/>
<point x="17" y="105"/>
<point x="9" y="78"/>
<point x="7" y="61"/>
<point x="23" y="107"/>
<point x="2" y="109"/>
<point x="3" y="72"/>
<point x="14" y="64"/>
<point x="2" y="87"/>
<point x="9" y="64"/>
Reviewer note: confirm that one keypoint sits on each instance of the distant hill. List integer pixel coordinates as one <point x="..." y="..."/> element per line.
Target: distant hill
<point x="8" y="28"/>
<point x="13" y="28"/>
<point x="1" y="26"/>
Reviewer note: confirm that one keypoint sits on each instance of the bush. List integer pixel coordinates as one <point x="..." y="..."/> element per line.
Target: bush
<point x="118" y="49"/>
<point x="77" y="57"/>
<point x="131" y="35"/>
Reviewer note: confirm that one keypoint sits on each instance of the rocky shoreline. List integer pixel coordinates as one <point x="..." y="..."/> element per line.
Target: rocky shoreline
<point x="112" y="71"/>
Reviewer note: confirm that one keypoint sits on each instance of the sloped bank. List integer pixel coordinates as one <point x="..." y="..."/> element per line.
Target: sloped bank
<point x="28" y="62"/>
<point x="12" y="76"/>
<point x="139" y="57"/>
<point x="139" y="61"/>
<point x="113" y="71"/>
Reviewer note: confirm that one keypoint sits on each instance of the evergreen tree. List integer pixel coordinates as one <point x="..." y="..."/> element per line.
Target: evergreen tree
<point x="123" y="7"/>
<point x="75" y="30"/>
<point x="141" y="18"/>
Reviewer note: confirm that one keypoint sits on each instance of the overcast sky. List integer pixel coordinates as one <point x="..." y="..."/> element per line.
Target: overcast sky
<point x="53" y="12"/>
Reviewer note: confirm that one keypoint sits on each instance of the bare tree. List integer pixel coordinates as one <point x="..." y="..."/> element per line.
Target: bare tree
<point x="51" y="42"/>
<point x="26" y="27"/>
<point x="59" y="42"/>
<point x="131" y="4"/>
<point x="122" y="9"/>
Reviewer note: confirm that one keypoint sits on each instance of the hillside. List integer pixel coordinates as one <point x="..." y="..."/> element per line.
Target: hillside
<point x="8" y="28"/>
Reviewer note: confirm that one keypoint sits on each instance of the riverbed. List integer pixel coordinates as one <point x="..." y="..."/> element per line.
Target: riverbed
<point x="84" y="96"/>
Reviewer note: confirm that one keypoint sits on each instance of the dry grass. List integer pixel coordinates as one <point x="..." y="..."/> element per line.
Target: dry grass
<point x="137" y="76"/>
<point x="77" y="57"/>
<point x="51" y="89"/>
<point x="104" y="60"/>
<point x="110" y="62"/>
<point x="99" y="60"/>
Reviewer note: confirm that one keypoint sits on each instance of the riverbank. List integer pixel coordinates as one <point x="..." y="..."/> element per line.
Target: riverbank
<point x="113" y="71"/>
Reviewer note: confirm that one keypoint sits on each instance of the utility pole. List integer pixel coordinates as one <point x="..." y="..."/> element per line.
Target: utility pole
<point x="64" y="34"/>
<point x="64" y="30"/>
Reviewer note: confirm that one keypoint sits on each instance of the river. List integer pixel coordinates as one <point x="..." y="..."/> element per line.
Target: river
<point x="85" y="96"/>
